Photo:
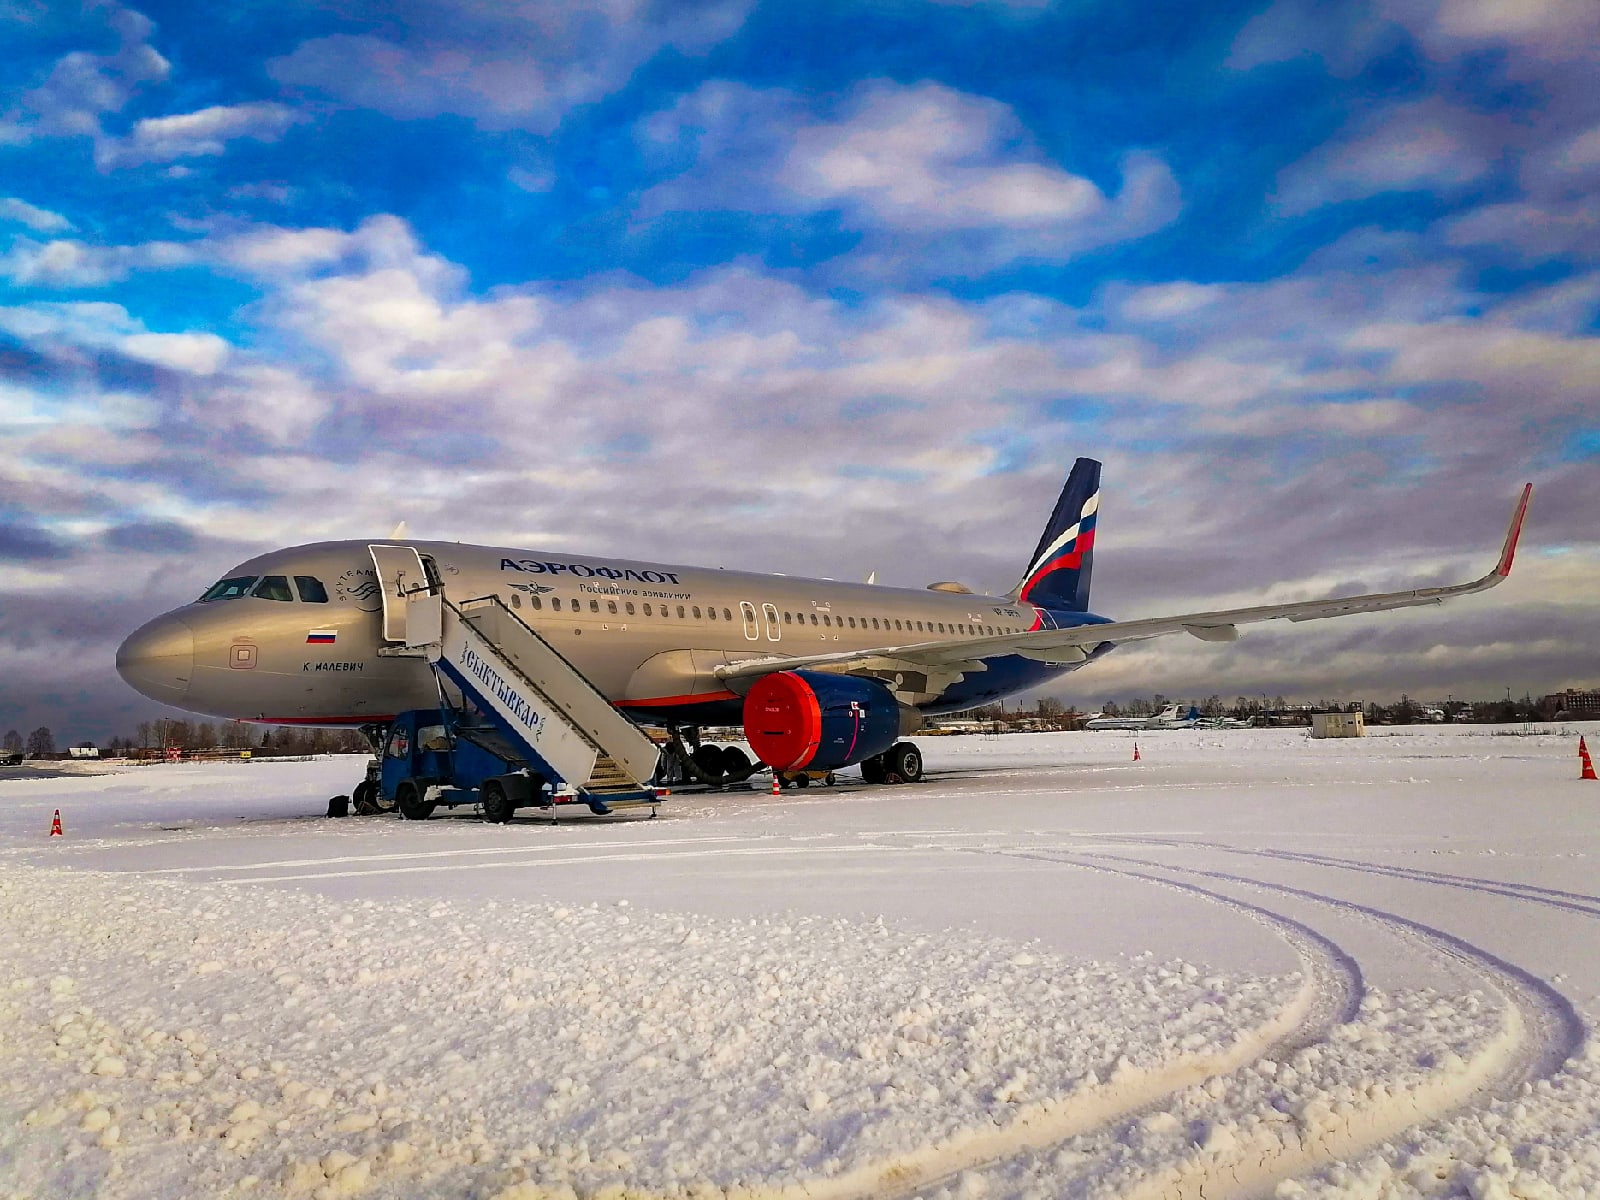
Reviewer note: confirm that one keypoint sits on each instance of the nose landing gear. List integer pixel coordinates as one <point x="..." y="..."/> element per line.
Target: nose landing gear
<point x="367" y="796"/>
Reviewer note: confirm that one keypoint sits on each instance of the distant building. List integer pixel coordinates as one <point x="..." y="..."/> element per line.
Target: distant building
<point x="1337" y="725"/>
<point x="1573" y="705"/>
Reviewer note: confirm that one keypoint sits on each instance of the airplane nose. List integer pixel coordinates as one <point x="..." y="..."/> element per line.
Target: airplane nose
<point x="158" y="659"/>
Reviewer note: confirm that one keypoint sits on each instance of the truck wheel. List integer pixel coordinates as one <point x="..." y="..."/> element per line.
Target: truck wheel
<point x="408" y="799"/>
<point x="497" y="806"/>
<point x="905" y="760"/>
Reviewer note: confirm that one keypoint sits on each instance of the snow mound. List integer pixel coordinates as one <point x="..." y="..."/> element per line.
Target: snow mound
<point x="170" y="1038"/>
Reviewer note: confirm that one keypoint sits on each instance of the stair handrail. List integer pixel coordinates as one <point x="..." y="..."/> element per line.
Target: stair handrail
<point x="567" y="662"/>
<point x="461" y="615"/>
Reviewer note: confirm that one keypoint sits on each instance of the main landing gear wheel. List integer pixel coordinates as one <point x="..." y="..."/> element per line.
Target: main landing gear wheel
<point x="903" y="763"/>
<point x="709" y="760"/>
<point x="873" y="770"/>
<point x="408" y="799"/>
<point x="735" y="764"/>
<point x="497" y="806"/>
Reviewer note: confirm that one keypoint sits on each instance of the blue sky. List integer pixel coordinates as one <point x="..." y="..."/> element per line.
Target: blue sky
<point x="827" y="289"/>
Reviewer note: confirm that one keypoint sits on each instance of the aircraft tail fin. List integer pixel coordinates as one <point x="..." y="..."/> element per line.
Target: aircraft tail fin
<point x="1058" y="574"/>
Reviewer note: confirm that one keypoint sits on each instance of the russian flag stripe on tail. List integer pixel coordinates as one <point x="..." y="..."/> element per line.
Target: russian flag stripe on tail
<point x="1058" y="574"/>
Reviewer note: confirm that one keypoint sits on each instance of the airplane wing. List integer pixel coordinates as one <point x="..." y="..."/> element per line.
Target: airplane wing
<point x="935" y="665"/>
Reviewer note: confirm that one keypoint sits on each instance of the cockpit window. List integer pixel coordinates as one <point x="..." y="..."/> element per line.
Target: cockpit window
<point x="311" y="589"/>
<point x="273" y="587"/>
<point x="228" y="589"/>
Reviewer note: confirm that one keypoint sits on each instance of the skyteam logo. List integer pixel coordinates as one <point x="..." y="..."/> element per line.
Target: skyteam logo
<point x="359" y="586"/>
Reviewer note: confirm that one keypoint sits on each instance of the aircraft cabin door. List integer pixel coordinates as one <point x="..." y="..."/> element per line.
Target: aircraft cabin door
<point x="770" y="613"/>
<point x="412" y="614"/>
<point x="751" y="629"/>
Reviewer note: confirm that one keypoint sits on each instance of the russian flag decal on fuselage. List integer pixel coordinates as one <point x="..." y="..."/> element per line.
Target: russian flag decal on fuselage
<point x="322" y="637"/>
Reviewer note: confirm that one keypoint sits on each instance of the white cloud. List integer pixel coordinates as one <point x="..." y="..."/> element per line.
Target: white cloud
<point x="1164" y="301"/>
<point x="505" y="66"/>
<point x="1345" y="36"/>
<point x="83" y="87"/>
<point x="68" y="263"/>
<point x="934" y="158"/>
<point x="1551" y="29"/>
<point x="40" y="220"/>
<point x="279" y="254"/>
<point x="1534" y="35"/>
<point x="1562" y="371"/>
<point x="901" y="162"/>
<point x="90" y="324"/>
<point x="1534" y="231"/>
<point x="196" y="134"/>
<point x="278" y="404"/>
<point x="194" y="353"/>
<point x="1359" y="416"/>
<point x="1563" y="168"/>
<point x="1429" y="145"/>
<point x="273" y="249"/>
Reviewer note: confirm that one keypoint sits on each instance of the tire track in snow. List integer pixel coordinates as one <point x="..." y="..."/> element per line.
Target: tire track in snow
<point x="1547" y="1009"/>
<point x="1331" y="995"/>
<point x="1539" y="1032"/>
<point x="1577" y="902"/>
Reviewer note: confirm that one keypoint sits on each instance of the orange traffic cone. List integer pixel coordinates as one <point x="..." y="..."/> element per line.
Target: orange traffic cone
<point x="1587" y="763"/>
<point x="777" y="783"/>
<point x="1136" y="752"/>
<point x="55" y="825"/>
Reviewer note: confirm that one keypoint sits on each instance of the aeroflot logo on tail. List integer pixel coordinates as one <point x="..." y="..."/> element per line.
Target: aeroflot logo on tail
<point x="585" y="571"/>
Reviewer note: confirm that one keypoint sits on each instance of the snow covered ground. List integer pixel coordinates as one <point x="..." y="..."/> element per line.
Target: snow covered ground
<point x="1248" y="965"/>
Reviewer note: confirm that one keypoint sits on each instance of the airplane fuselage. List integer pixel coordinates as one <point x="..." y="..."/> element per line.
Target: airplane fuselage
<point x="305" y="647"/>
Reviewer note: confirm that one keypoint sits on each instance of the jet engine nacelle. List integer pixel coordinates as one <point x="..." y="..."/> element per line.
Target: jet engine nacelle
<point x="811" y="720"/>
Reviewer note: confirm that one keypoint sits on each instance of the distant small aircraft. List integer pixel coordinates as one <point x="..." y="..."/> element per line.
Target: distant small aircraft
<point x="821" y="674"/>
<point x="1173" y="716"/>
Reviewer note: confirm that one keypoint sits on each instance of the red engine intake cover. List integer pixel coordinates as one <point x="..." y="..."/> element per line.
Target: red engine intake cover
<point x="783" y="721"/>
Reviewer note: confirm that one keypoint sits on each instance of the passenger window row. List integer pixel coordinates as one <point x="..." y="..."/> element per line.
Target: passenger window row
<point x="694" y="612"/>
<point x="627" y="608"/>
<point x="267" y="587"/>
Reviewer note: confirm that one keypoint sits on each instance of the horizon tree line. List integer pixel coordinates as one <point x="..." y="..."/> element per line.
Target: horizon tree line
<point x="179" y="734"/>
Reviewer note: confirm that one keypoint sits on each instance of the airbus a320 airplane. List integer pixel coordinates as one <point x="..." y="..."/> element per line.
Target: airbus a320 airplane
<point x="820" y="673"/>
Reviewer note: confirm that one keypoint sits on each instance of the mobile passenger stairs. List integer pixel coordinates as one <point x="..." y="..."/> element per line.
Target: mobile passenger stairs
<point x="517" y="725"/>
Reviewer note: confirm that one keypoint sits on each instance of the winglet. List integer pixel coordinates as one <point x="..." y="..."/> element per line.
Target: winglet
<point x="1509" y="550"/>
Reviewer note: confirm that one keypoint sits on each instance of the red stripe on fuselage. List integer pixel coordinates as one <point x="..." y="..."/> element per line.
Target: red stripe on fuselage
<point x="663" y="701"/>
